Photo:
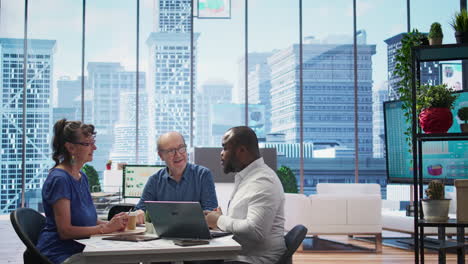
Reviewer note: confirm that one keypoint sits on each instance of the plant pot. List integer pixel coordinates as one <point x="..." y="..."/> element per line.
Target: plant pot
<point x="435" y="41"/>
<point x="149" y="228"/>
<point x="435" y="120"/>
<point x="436" y="210"/>
<point x="461" y="37"/>
<point x="464" y="128"/>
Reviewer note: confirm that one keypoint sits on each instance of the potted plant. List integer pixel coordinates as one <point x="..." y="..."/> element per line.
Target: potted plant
<point x="463" y="115"/>
<point x="434" y="104"/>
<point x="288" y="180"/>
<point x="435" y="34"/>
<point x="435" y="206"/>
<point x="108" y="164"/>
<point x="460" y="25"/>
<point x="404" y="71"/>
<point x="148" y="224"/>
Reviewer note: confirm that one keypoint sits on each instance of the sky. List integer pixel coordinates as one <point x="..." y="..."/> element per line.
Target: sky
<point x="273" y="24"/>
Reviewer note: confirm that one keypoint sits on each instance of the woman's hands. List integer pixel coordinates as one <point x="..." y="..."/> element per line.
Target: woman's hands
<point x="117" y="223"/>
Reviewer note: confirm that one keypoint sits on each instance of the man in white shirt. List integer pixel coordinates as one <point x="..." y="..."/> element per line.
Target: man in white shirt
<point x="255" y="213"/>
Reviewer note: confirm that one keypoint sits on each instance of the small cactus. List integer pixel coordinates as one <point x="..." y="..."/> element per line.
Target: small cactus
<point x="435" y="190"/>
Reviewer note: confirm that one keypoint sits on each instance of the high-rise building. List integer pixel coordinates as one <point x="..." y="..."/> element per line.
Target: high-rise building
<point x="169" y="73"/>
<point x="328" y="86"/>
<point x="38" y="119"/>
<point x="67" y="91"/>
<point x="430" y="71"/>
<point x="212" y="92"/>
<point x="255" y="58"/>
<point x="107" y="80"/>
<point x="124" y="145"/>
<point x="259" y="90"/>
<point x="380" y="95"/>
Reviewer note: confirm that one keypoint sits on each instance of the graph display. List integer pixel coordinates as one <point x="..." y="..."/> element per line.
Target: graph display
<point x="135" y="178"/>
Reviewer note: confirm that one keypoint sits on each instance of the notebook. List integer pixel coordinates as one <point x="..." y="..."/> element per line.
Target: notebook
<point x="182" y="220"/>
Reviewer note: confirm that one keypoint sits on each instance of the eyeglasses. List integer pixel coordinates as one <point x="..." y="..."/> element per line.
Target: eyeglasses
<point x="86" y="144"/>
<point x="172" y="152"/>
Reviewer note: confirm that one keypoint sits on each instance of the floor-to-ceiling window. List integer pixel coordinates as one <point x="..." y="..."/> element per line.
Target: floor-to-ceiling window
<point x="199" y="75"/>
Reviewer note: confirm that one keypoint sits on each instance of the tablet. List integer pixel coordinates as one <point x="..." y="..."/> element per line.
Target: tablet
<point x="132" y="238"/>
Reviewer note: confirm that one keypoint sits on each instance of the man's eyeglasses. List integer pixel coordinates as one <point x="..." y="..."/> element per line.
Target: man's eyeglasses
<point x="86" y="144"/>
<point x="172" y="152"/>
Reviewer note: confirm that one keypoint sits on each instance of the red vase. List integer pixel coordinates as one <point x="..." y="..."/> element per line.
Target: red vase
<point x="435" y="120"/>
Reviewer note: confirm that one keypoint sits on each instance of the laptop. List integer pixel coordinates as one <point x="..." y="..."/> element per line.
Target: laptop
<point x="181" y="220"/>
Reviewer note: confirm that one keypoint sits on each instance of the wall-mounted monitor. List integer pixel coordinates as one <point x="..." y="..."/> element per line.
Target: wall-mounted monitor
<point x="135" y="178"/>
<point x="445" y="160"/>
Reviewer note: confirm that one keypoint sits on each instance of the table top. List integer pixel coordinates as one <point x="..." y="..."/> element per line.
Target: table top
<point x="156" y="250"/>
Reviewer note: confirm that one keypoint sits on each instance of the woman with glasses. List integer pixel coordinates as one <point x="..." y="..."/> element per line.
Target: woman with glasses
<point x="69" y="209"/>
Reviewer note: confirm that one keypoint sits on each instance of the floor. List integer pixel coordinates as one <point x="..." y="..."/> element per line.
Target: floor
<point x="11" y="250"/>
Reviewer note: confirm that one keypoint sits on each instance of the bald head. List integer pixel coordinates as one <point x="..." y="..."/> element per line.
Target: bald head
<point x="169" y="137"/>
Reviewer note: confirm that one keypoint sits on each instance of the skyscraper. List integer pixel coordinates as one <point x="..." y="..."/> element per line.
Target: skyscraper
<point x="212" y="92"/>
<point x="169" y="74"/>
<point x="67" y="91"/>
<point x="429" y="70"/>
<point x="107" y="80"/>
<point x="38" y="119"/>
<point x="123" y="147"/>
<point x="328" y="83"/>
<point x="380" y="95"/>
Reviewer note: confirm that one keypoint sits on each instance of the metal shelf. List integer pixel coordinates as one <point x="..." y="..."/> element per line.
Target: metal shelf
<point x="442" y="137"/>
<point x="441" y="52"/>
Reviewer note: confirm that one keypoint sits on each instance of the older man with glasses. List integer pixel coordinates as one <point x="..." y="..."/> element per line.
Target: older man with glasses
<point x="180" y="181"/>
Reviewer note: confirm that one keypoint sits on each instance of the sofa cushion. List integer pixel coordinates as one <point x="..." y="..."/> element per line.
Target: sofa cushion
<point x="296" y="210"/>
<point x="347" y="189"/>
<point x="328" y="210"/>
<point x="364" y="210"/>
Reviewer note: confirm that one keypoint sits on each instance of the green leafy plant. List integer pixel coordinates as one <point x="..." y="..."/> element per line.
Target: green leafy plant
<point x="435" y="190"/>
<point x="436" y="31"/>
<point x="435" y="96"/>
<point x="460" y="21"/>
<point x="288" y="180"/>
<point x="147" y="217"/>
<point x="463" y="114"/>
<point x="93" y="178"/>
<point x="403" y="70"/>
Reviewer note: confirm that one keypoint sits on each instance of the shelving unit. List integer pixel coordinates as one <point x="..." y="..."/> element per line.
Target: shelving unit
<point x="423" y="54"/>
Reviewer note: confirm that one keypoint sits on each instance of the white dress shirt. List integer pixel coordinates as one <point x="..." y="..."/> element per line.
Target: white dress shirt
<point x="255" y="214"/>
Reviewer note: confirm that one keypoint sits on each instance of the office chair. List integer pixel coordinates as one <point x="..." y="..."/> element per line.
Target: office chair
<point x="28" y="224"/>
<point x="118" y="208"/>
<point x="293" y="239"/>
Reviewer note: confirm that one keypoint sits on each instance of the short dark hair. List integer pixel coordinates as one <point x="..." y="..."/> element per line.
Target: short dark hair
<point x="244" y="136"/>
